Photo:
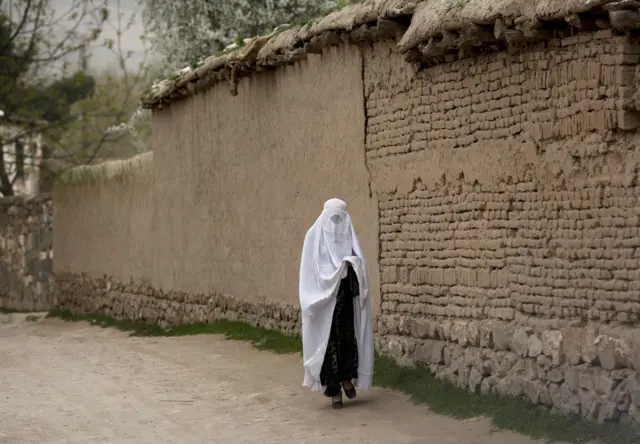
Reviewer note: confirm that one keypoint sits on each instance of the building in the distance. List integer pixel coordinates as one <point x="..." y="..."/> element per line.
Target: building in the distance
<point x="21" y="143"/>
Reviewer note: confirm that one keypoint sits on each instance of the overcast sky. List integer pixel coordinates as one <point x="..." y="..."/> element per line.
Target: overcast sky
<point x="102" y="57"/>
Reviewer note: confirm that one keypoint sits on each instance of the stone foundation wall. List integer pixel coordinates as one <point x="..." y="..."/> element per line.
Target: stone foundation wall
<point x="509" y="220"/>
<point x="82" y="294"/>
<point x="26" y="253"/>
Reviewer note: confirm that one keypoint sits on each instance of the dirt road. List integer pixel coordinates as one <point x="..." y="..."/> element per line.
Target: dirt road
<point x="72" y="383"/>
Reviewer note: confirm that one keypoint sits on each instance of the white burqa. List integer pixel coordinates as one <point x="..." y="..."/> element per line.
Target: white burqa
<point x="329" y="246"/>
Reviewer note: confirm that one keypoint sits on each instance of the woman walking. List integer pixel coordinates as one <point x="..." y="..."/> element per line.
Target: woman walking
<point x="337" y="335"/>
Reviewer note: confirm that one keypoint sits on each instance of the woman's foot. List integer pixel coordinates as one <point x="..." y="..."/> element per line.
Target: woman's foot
<point x="349" y="389"/>
<point x="336" y="401"/>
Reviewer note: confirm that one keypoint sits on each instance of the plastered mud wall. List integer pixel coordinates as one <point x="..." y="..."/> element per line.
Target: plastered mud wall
<point x="26" y="253"/>
<point x="496" y="198"/>
<point x="509" y="220"/>
<point x="216" y="227"/>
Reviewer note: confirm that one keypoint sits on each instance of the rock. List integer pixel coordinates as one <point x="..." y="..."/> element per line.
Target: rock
<point x="634" y="414"/>
<point x="635" y="395"/>
<point x="475" y="380"/>
<point x="535" y="346"/>
<point x="587" y="401"/>
<point x="586" y="380"/>
<point x="555" y="375"/>
<point x="424" y="352"/>
<point x="488" y="385"/>
<point x="393" y="324"/>
<point x="421" y="328"/>
<point x="445" y="331"/>
<point x="623" y="353"/>
<point x="501" y="335"/>
<point x="472" y="357"/>
<point x="530" y="369"/>
<point x="437" y="352"/>
<point x="552" y="346"/>
<point x="572" y="378"/>
<point x="512" y="385"/>
<point x="486" y="336"/>
<point x="473" y="334"/>
<point x="502" y="362"/>
<point x="606" y="346"/>
<point x="463" y="377"/>
<point x="609" y="412"/>
<point x="532" y="390"/>
<point x="520" y="341"/>
<point x="395" y="348"/>
<point x="621" y="395"/>
<point x="570" y="403"/>
<point x="459" y="333"/>
<point x="589" y="349"/>
<point x="605" y="384"/>
<point x="571" y="346"/>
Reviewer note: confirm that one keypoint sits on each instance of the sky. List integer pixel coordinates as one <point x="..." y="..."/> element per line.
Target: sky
<point x="101" y="57"/>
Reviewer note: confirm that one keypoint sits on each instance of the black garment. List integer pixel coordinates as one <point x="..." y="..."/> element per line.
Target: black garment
<point x="341" y="359"/>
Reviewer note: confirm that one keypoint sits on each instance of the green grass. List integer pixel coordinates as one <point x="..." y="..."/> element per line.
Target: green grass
<point x="440" y="396"/>
<point x="11" y="310"/>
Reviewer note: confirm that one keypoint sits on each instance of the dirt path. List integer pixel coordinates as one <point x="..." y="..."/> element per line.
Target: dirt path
<point x="73" y="383"/>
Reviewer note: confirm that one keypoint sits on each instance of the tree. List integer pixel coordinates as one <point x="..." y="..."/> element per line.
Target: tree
<point x="187" y="31"/>
<point x="75" y="109"/>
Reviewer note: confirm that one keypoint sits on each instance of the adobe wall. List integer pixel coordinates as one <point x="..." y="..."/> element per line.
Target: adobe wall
<point x="26" y="253"/>
<point x="235" y="183"/>
<point x="509" y="220"/>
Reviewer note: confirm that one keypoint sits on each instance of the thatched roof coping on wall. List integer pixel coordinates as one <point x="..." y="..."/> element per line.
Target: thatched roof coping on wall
<point x="123" y="170"/>
<point x="427" y="32"/>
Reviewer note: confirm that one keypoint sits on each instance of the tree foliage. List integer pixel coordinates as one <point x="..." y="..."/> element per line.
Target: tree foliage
<point x="186" y="31"/>
<point x="78" y="107"/>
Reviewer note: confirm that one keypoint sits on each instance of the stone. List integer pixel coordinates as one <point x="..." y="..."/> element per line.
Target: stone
<point x="535" y="346"/>
<point x="463" y="377"/>
<point x="621" y="394"/>
<point x="488" y="385"/>
<point x="609" y="412"/>
<point x="520" y="341"/>
<point x="486" y="335"/>
<point x="589" y="348"/>
<point x="555" y="375"/>
<point x="532" y="390"/>
<point x="586" y="380"/>
<point x="421" y="328"/>
<point x="475" y="380"/>
<point x="502" y="362"/>
<point x="606" y="352"/>
<point x="512" y="385"/>
<point x="572" y="378"/>
<point x="587" y="402"/>
<point x="530" y="369"/>
<point x="459" y="333"/>
<point x="569" y="401"/>
<point x="552" y="346"/>
<point x="634" y="414"/>
<point x="571" y="346"/>
<point x="501" y="334"/>
<point x="473" y="334"/>
<point x="424" y="352"/>
<point x="437" y="352"/>
<point x="605" y="384"/>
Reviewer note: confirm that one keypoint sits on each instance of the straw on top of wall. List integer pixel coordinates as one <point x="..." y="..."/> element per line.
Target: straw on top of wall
<point x="428" y="32"/>
<point x="121" y="170"/>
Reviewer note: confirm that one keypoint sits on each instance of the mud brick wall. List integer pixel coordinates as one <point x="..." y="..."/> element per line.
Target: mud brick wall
<point x="26" y="253"/>
<point x="509" y="220"/>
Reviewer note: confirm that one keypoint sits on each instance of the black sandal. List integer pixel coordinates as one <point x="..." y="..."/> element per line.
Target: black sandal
<point x="351" y="392"/>
<point x="337" y="404"/>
